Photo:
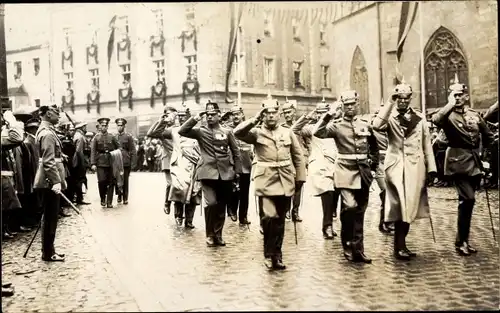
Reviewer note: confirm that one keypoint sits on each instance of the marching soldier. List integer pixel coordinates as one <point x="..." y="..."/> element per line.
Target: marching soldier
<point x="279" y="170"/>
<point x="357" y="156"/>
<point x="409" y="161"/>
<point x="185" y="189"/>
<point x="239" y="197"/>
<point x="100" y="159"/>
<point x="464" y="129"/>
<point x="289" y="110"/>
<point x="220" y="165"/>
<point x="381" y="136"/>
<point x="321" y="161"/>
<point x="129" y="155"/>
<point x="169" y="115"/>
<point x="49" y="179"/>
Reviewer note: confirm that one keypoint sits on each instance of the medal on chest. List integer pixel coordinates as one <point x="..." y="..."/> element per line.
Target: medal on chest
<point x="220" y="136"/>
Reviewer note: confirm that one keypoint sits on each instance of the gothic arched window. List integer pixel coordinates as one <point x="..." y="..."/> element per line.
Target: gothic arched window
<point x="443" y="58"/>
<point x="359" y="80"/>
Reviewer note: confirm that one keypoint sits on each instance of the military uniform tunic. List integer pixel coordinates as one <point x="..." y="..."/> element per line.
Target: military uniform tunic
<point x="129" y="156"/>
<point x="101" y="147"/>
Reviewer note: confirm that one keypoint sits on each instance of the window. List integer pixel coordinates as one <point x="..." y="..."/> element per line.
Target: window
<point x="189" y="11"/>
<point x="123" y="27"/>
<point x="297" y="74"/>
<point x="359" y="80"/>
<point x="242" y="68"/>
<point x="160" y="70"/>
<point x="295" y="30"/>
<point x="443" y="59"/>
<point x="268" y="27"/>
<point x="94" y="77"/>
<point x="268" y="71"/>
<point x="69" y="80"/>
<point x="37" y="103"/>
<point x="191" y="66"/>
<point x="126" y="75"/>
<point x="322" y="33"/>
<point x="325" y="76"/>
<point x="36" y="66"/>
<point x="19" y="69"/>
<point x="159" y="21"/>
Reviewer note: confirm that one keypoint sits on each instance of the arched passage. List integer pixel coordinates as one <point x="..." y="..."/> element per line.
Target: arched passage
<point x="359" y="80"/>
<point x="443" y="57"/>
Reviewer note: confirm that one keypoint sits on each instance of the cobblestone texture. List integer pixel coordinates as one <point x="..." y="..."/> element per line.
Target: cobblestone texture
<point x="166" y="268"/>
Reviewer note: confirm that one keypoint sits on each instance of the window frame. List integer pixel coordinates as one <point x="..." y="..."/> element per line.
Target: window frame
<point x="272" y="71"/>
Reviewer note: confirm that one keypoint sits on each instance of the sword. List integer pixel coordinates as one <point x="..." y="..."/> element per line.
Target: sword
<point x="70" y="203"/>
<point x="489" y="210"/>
<point x="432" y="227"/>
<point x="34" y="236"/>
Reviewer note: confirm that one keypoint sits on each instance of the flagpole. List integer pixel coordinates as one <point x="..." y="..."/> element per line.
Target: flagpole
<point x="422" y="61"/>
<point x="117" y="90"/>
<point x="238" y="52"/>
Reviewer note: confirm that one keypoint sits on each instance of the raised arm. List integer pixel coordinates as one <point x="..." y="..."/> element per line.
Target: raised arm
<point x="245" y="132"/>
<point x="441" y="116"/>
<point x="189" y="130"/>
<point x="235" y="152"/>
<point x="379" y="122"/>
<point x="159" y="130"/>
<point x="324" y="128"/>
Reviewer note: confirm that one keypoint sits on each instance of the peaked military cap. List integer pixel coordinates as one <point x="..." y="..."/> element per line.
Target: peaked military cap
<point x="46" y="108"/>
<point x="120" y="121"/>
<point x="80" y="125"/>
<point x="169" y="108"/>
<point x="103" y="120"/>
<point x="212" y="107"/>
<point x="349" y="96"/>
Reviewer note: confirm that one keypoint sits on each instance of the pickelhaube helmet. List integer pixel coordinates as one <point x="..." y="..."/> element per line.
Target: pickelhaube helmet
<point x="403" y="89"/>
<point x="183" y="110"/>
<point x="349" y="96"/>
<point x="270" y="104"/>
<point x="322" y="106"/>
<point x="212" y="107"/>
<point x="289" y="105"/>
<point x="457" y="87"/>
<point x="236" y="108"/>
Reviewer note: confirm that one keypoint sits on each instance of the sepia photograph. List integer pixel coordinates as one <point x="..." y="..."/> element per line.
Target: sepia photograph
<point x="250" y="156"/>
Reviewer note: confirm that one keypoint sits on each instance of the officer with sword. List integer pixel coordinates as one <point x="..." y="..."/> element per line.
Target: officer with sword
<point x="279" y="170"/>
<point x="409" y="161"/>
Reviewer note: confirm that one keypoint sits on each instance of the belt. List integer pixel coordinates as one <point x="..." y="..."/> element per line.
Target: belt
<point x="382" y="151"/>
<point x="352" y="156"/>
<point x="274" y="164"/>
<point x="59" y="160"/>
<point x="7" y="173"/>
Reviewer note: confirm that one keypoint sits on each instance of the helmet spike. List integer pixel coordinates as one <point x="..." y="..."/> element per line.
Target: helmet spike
<point x="323" y="100"/>
<point x="269" y="97"/>
<point x="403" y="80"/>
<point x="456" y="78"/>
<point x="286" y="99"/>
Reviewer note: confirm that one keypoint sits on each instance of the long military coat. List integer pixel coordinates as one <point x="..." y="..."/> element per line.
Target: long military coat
<point x="279" y="160"/>
<point x="408" y="159"/>
<point x="166" y="144"/>
<point x="322" y="154"/>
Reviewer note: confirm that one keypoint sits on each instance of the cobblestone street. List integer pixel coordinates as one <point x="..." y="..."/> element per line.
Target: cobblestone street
<point x="134" y="257"/>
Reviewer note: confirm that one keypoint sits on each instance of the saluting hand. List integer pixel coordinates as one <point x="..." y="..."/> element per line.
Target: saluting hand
<point x="310" y="115"/>
<point x="260" y="115"/>
<point x="200" y="115"/>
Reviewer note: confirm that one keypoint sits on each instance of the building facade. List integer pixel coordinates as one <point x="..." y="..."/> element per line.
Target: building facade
<point x="179" y="52"/>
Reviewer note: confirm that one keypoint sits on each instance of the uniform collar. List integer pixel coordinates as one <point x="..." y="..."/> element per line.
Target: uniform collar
<point x="349" y="119"/>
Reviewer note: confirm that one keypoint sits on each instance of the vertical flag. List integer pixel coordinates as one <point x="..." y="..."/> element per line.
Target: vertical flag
<point x="111" y="40"/>
<point x="408" y="14"/>
<point x="233" y="33"/>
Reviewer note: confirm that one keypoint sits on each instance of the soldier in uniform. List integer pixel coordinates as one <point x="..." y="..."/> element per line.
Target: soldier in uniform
<point x="381" y="136"/>
<point x="357" y="157"/>
<point x="220" y="165"/>
<point x="79" y="164"/>
<point x="464" y="129"/>
<point x="185" y="189"/>
<point x="49" y="179"/>
<point x="321" y="161"/>
<point x="279" y="170"/>
<point x="290" y="113"/>
<point x="129" y="155"/>
<point x="239" y="197"/>
<point x="100" y="159"/>
<point x="409" y="162"/>
<point x="169" y="115"/>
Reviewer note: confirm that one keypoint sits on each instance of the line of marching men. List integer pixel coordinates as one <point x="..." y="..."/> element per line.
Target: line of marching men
<point x="211" y="158"/>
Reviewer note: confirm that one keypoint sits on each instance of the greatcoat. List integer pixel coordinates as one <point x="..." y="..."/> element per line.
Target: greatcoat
<point x="408" y="159"/>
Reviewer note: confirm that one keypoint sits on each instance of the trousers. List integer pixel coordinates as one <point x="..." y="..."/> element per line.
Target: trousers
<point x="50" y="204"/>
<point x="106" y="184"/>
<point x="215" y="199"/>
<point x="239" y="198"/>
<point x="329" y="202"/>
<point x="273" y="224"/>
<point x="126" y="175"/>
<point x="466" y="187"/>
<point x="352" y="215"/>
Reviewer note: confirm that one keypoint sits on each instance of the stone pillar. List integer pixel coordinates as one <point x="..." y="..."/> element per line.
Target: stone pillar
<point x="285" y="62"/>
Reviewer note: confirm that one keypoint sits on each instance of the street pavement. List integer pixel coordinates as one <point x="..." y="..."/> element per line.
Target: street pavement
<point x="134" y="257"/>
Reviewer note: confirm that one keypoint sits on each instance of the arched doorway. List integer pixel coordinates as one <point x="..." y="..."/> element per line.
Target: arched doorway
<point x="444" y="57"/>
<point x="359" y="80"/>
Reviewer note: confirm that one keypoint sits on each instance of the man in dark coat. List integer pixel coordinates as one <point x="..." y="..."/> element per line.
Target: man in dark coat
<point x="220" y="165"/>
<point x="129" y="155"/>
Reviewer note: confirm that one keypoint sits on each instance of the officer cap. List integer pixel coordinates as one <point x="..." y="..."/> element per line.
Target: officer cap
<point x="212" y="107"/>
<point x="322" y="106"/>
<point x="103" y="120"/>
<point x="169" y="108"/>
<point x="457" y="87"/>
<point x="349" y="96"/>
<point x="120" y="121"/>
<point x="46" y="108"/>
<point x="32" y="123"/>
<point x="80" y="125"/>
